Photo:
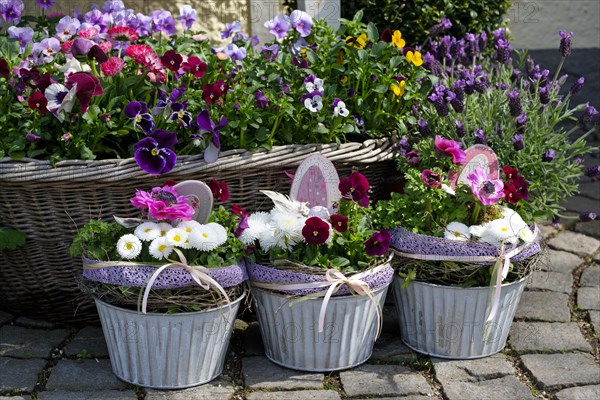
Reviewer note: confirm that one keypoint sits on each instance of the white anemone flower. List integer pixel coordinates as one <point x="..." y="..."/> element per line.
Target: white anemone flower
<point x="258" y="223"/>
<point x="129" y="246"/>
<point x="177" y="237"/>
<point x="159" y="248"/>
<point x="147" y="231"/>
<point x="205" y="238"/>
<point x="457" y="231"/>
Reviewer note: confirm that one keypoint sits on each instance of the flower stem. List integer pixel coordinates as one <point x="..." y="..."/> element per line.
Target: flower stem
<point x="475" y="214"/>
<point x="562" y="61"/>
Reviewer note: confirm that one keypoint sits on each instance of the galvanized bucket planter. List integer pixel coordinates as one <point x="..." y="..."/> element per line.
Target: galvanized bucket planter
<point x="448" y="322"/>
<point x="167" y="351"/>
<point x="291" y="338"/>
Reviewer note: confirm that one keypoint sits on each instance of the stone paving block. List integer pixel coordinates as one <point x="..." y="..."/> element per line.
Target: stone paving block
<point x="22" y="342"/>
<point x="553" y="281"/>
<point x="220" y="389"/>
<point x="588" y="298"/>
<point x="83" y="375"/>
<point x="591" y="276"/>
<point x="557" y="370"/>
<point x="507" y="387"/>
<point x="5" y="317"/>
<point x="90" y="339"/>
<point x="560" y="261"/>
<point x="295" y="395"/>
<point x="493" y="367"/>
<point x="575" y="243"/>
<point x="382" y="380"/>
<point x="551" y="337"/>
<point x="410" y="397"/>
<point x="544" y="306"/>
<point x="259" y="372"/>
<point x="590" y="228"/>
<point x="590" y="189"/>
<point x="583" y="204"/>
<point x="14" y="398"/>
<point x="19" y="374"/>
<point x="579" y="393"/>
<point x="34" y="323"/>
<point x="389" y="348"/>
<point x="253" y="344"/>
<point x="547" y="230"/>
<point x="100" y="394"/>
<point x="595" y="319"/>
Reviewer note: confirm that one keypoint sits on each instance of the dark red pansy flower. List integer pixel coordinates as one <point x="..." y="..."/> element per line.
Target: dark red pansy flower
<point x="38" y="102"/>
<point x="315" y="231"/>
<point x="238" y="210"/>
<point x="354" y="187"/>
<point x="88" y="85"/>
<point x="219" y="190"/>
<point x="387" y="35"/>
<point x="378" y="243"/>
<point x="172" y="60"/>
<point x="339" y="222"/>
<point x="510" y="172"/>
<point x="4" y="68"/>
<point x="195" y="66"/>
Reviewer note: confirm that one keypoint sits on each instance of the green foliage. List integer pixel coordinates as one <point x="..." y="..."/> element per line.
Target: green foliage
<point x="10" y="238"/>
<point x="415" y="17"/>
<point x="97" y="240"/>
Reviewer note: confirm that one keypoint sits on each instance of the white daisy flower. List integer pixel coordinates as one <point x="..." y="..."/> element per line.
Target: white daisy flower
<point x="204" y="239"/>
<point x="129" y="246"/>
<point x="288" y="228"/>
<point x="268" y="239"/>
<point x="177" y="237"/>
<point x="477" y="230"/>
<point x="147" y="231"/>
<point x="258" y="223"/>
<point x="159" y="248"/>
<point x="457" y="231"/>
<point x="188" y="226"/>
<point x="498" y="231"/>
<point x="164" y="228"/>
<point x="220" y="233"/>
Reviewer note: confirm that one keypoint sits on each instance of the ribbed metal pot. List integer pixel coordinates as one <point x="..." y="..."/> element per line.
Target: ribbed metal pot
<point x="167" y="351"/>
<point x="290" y="333"/>
<point x="449" y="322"/>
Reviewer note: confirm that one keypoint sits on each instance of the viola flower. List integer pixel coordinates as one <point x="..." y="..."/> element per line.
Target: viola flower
<point x="38" y="102"/>
<point x="301" y="22"/>
<point x="112" y="66"/>
<point x="450" y="148"/>
<point x="11" y="11"/>
<point x="232" y="51"/>
<point x="231" y="29"/>
<point x="339" y="108"/>
<point x="414" y="57"/>
<point x="23" y="35"/>
<point x="180" y="114"/>
<point x="355" y="187"/>
<point x="163" y="203"/>
<point x="211" y="93"/>
<point x="313" y="101"/>
<point x="32" y="137"/>
<point x="45" y="4"/>
<point x="211" y="152"/>
<point x="194" y="66"/>
<point x="153" y="153"/>
<point x="163" y="22"/>
<point x="315" y="231"/>
<point x="86" y="85"/>
<point x="4" y="68"/>
<point x="219" y="189"/>
<point x="138" y="111"/>
<point x="171" y="60"/>
<point x="312" y="83"/>
<point x="261" y="100"/>
<point x="279" y="26"/>
<point x="187" y="16"/>
<point x="60" y="100"/>
<point x="431" y="179"/>
<point x="66" y="28"/>
<point x="386" y="35"/>
<point x="45" y="50"/>
<point x="129" y="246"/>
<point x="398" y="87"/>
<point x="488" y="191"/>
<point x="270" y="52"/>
<point x="358" y="42"/>
<point x="379" y="243"/>
<point x="339" y="222"/>
<point x="397" y="40"/>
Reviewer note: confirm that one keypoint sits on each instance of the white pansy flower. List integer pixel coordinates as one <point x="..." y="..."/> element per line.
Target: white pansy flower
<point x="147" y="231"/>
<point x="457" y="231"/>
<point x="129" y="246"/>
<point x="177" y="237"/>
<point x="159" y="248"/>
<point x="340" y="109"/>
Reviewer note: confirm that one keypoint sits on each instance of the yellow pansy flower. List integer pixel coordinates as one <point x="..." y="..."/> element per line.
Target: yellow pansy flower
<point x="397" y="39"/>
<point x="398" y="88"/>
<point x="357" y="42"/>
<point x="414" y="57"/>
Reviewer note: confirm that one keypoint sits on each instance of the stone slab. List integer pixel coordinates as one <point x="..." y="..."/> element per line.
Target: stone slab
<point x="14" y="398"/>
<point x="100" y="394"/>
<point x="554" y="337"/>
<point x="575" y="243"/>
<point x="591" y="276"/>
<point x="17" y="374"/>
<point x="83" y="375"/>
<point x="553" y="281"/>
<point x="295" y="395"/>
<point x="410" y="397"/>
<point x="390" y="349"/>
<point x="34" y="323"/>
<point x="595" y="319"/>
<point x="547" y="230"/>
<point x="560" y="261"/>
<point x="579" y="393"/>
<point x="544" y="306"/>
<point x="261" y="373"/>
<point x="17" y="341"/>
<point x="495" y="366"/>
<point x="379" y="380"/>
<point x="590" y="228"/>
<point x="5" y="317"/>
<point x="588" y="298"/>
<point x="220" y="389"/>
<point x="553" y="371"/>
<point x="90" y="340"/>
<point x="507" y="387"/>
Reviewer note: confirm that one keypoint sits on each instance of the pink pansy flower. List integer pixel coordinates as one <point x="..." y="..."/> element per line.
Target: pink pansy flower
<point x="487" y="190"/>
<point x="451" y="148"/>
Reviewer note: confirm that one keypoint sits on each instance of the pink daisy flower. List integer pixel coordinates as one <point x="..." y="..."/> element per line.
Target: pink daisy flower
<point x="112" y="66"/>
<point x="138" y="52"/>
<point x="89" y="33"/>
<point x="123" y="34"/>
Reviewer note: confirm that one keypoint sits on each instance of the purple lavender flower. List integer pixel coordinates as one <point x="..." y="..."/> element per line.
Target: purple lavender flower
<point x="549" y="155"/>
<point x="565" y="43"/>
<point x="460" y="129"/>
<point x="480" y="137"/>
<point x="23" y="35"/>
<point x="587" y="216"/>
<point x="586" y="118"/>
<point x="163" y="21"/>
<point x="499" y="131"/>
<point x="517" y="75"/>
<point x="279" y="26"/>
<point x="231" y="29"/>
<point x="593" y="171"/>
<point x="544" y="92"/>
<point x="11" y="10"/>
<point x="455" y="102"/>
<point x="499" y="34"/>
<point x="518" y="142"/>
<point x="45" y="4"/>
<point x="457" y="49"/>
<point x="404" y="145"/>
<point x="521" y="122"/>
<point x="262" y="101"/>
<point x="301" y="22"/>
<point x="458" y="87"/>
<point x="423" y="128"/>
<point x="443" y="25"/>
<point x="577" y="86"/>
<point x="471" y="45"/>
<point x="514" y="103"/>
<point x="187" y="16"/>
<point x="153" y="153"/>
<point x="503" y="50"/>
<point x="438" y="98"/>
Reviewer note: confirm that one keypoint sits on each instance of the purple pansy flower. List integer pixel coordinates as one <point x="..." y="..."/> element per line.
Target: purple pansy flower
<point x="66" y="28"/>
<point x="45" y="50"/>
<point x="32" y="137"/>
<point x="23" y="35"/>
<point x="279" y="26"/>
<point x="301" y="22"/>
<point x="231" y="29"/>
<point x="45" y="4"/>
<point x="379" y="243"/>
<point x="163" y="21"/>
<point x="187" y="16"/>
<point x="180" y="114"/>
<point x="153" y="153"/>
<point x="111" y="6"/>
<point x="138" y="111"/>
<point x="487" y="190"/>
<point x="234" y="52"/>
<point x="313" y="101"/>
<point x="211" y="152"/>
<point x="262" y="101"/>
<point x="11" y="10"/>
<point x="270" y="52"/>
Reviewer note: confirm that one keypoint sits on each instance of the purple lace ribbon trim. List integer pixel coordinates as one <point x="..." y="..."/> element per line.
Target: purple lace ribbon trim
<point x="409" y="242"/>
<point x="267" y="274"/>
<point x="171" y="278"/>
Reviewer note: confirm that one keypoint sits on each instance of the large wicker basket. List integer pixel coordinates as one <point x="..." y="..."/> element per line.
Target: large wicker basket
<point x="49" y="203"/>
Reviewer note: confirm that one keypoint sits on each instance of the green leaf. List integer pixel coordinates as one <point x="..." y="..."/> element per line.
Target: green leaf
<point x="10" y="238"/>
<point x="372" y="32"/>
<point x="340" y="262"/>
<point x="358" y="16"/>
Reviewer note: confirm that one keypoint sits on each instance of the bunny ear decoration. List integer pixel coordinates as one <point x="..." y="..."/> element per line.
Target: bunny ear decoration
<point x="199" y="196"/>
<point x="316" y="182"/>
